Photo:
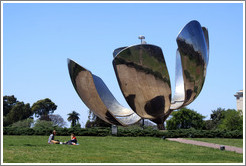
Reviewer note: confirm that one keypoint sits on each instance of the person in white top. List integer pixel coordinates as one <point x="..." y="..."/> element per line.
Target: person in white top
<point x="51" y="139"/>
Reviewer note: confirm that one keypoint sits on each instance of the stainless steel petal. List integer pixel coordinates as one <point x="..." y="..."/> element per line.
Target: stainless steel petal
<point x="109" y="100"/>
<point x="179" y="95"/>
<point x="117" y="50"/>
<point x="97" y="97"/>
<point x="144" y="80"/>
<point x="193" y="51"/>
<point x="205" y="32"/>
<point x="129" y="120"/>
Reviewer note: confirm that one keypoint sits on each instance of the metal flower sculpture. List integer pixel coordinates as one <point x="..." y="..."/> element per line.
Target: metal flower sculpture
<point x="143" y="77"/>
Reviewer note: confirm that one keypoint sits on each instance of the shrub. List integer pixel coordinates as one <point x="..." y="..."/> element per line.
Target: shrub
<point x="135" y="132"/>
<point x="23" y="123"/>
<point x="43" y="124"/>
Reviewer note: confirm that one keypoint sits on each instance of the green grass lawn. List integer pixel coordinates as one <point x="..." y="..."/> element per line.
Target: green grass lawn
<point x="35" y="149"/>
<point x="221" y="141"/>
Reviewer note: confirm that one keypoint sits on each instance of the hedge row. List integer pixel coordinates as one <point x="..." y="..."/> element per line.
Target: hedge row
<point x="59" y="131"/>
<point x="189" y="133"/>
<point x="185" y="133"/>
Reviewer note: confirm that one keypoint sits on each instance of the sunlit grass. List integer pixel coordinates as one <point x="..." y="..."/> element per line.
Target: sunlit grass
<point x="35" y="149"/>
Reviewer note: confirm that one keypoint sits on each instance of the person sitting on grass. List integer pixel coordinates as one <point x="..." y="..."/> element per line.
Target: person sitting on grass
<point x="51" y="139"/>
<point x="73" y="140"/>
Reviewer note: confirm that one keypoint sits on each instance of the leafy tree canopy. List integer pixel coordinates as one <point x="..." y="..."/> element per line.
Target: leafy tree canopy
<point x="19" y="112"/>
<point x="8" y="103"/>
<point x="94" y="121"/>
<point x="233" y="120"/>
<point x="43" y="107"/>
<point x="57" y="120"/>
<point x="185" y="118"/>
<point x="216" y="117"/>
<point x="73" y="117"/>
<point x="14" y="110"/>
<point x="229" y="119"/>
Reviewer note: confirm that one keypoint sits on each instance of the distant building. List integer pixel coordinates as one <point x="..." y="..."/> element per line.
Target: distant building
<point x="239" y="96"/>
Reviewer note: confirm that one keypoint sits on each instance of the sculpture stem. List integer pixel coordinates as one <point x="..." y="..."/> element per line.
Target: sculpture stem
<point x="161" y="126"/>
<point x="160" y="121"/>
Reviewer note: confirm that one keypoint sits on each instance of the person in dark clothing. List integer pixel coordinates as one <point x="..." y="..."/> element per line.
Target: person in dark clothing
<point x="73" y="140"/>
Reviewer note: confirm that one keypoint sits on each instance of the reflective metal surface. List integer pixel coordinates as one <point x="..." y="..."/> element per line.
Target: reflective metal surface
<point x="117" y="50"/>
<point x="97" y="97"/>
<point x="205" y="32"/>
<point x="144" y="80"/>
<point x="193" y="52"/>
<point x="179" y="95"/>
<point x="143" y="77"/>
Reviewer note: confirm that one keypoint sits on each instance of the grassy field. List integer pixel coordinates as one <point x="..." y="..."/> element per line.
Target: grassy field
<point x="221" y="141"/>
<point x="35" y="149"/>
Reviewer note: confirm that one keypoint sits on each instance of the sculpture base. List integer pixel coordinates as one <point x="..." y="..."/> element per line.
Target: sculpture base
<point x="161" y="126"/>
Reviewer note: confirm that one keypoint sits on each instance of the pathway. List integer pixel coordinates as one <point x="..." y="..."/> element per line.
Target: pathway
<point x="206" y="144"/>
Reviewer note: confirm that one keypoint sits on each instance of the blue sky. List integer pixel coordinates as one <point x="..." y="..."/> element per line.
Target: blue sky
<point x="39" y="37"/>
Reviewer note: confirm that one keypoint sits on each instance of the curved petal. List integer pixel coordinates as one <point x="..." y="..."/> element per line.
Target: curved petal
<point x="97" y="97"/>
<point x="117" y="50"/>
<point x="205" y="32"/>
<point x="179" y="95"/>
<point x="193" y="50"/>
<point x="144" y="80"/>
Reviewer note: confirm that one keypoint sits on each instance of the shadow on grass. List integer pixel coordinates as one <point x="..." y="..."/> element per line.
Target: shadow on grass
<point x="30" y="145"/>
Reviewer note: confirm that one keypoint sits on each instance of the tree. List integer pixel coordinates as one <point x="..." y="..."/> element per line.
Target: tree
<point x="45" y="117"/>
<point x="6" y="122"/>
<point x="57" y="120"/>
<point x="73" y="117"/>
<point x="43" y="107"/>
<point x="216" y="117"/>
<point x="19" y="111"/>
<point x="97" y="123"/>
<point x="229" y="119"/>
<point x="185" y="118"/>
<point x="208" y="125"/>
<point x="94" y="121"/>
<point x="233" y="120"/>
<point x="8" y="103"/>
